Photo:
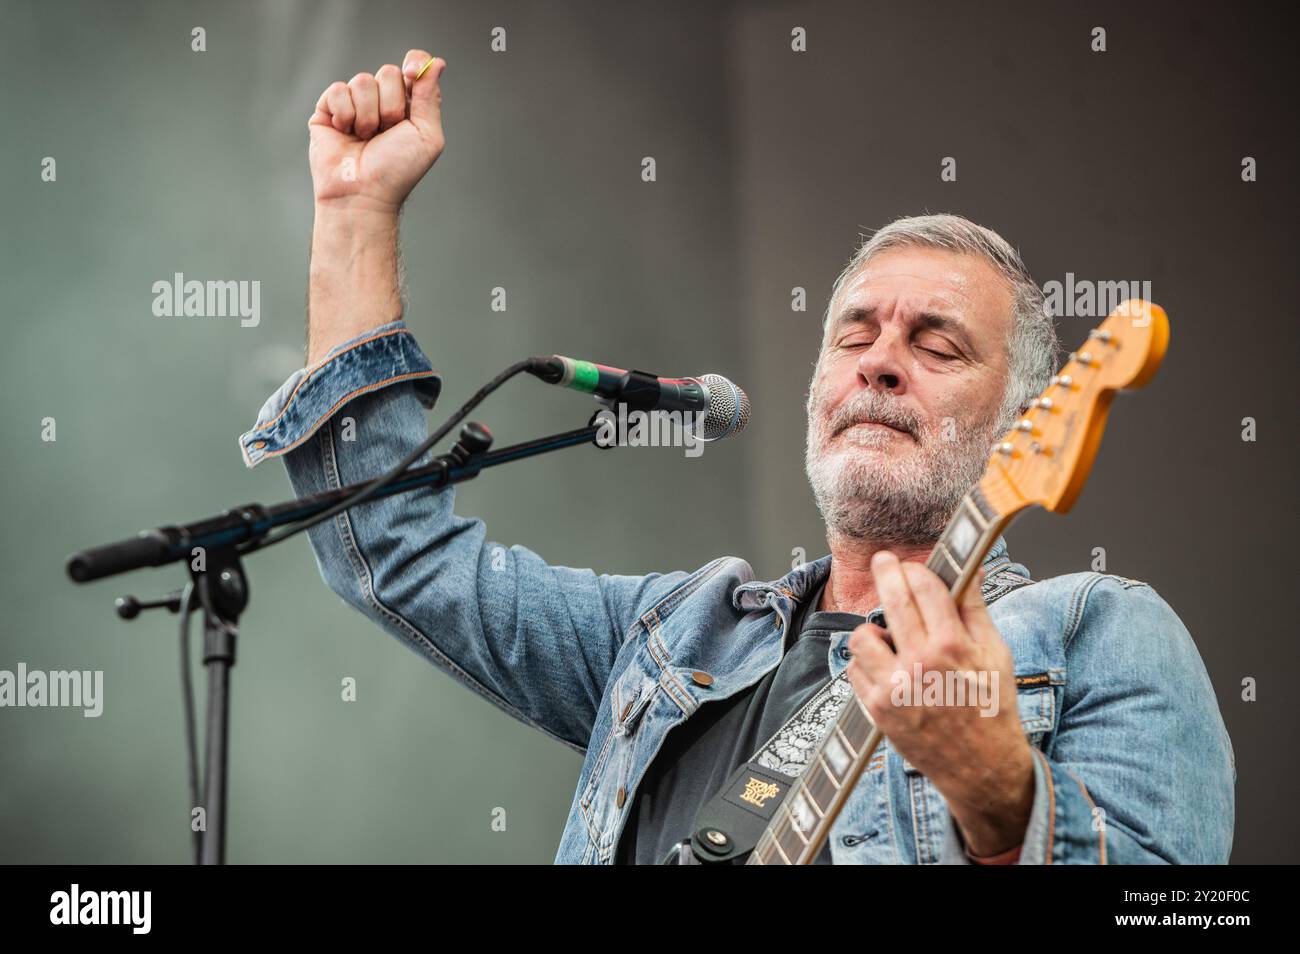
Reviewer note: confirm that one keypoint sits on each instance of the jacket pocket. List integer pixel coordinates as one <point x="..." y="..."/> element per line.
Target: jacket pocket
<point x="1037" y="706"/>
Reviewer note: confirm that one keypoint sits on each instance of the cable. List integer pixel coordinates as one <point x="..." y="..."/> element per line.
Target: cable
<point x="379" y="483"/>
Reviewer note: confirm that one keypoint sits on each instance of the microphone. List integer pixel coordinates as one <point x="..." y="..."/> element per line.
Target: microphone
<point x="724" y="405"/>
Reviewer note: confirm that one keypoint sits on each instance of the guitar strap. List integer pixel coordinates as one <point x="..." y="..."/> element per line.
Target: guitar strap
<point x="730" y="823"/>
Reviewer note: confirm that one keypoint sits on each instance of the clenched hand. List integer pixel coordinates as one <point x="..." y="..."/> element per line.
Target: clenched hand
<point x="374" y="137"/>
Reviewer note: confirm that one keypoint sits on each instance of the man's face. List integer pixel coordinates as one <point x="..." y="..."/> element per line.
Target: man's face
<point x="904" y="403"/>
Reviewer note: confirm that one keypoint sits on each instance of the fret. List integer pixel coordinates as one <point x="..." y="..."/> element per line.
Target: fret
<point x="973" y="511"/>
<point x="961" y="538"/>
<point x="836" y="757"/>
<point x="819" y="790"/>
<point x="944" y="552"/>
<point x="855" y="724"/>
<point x="944" y="565"/>
<point x="844" y="739"/>
<point x="812" y="799"/>
<point x="784" y="857"/>
<point x="804" y="815"/>
<point x="790" y="847"/>
<point x="982" y="506"/>
<point x="947" y="573"/>
<point x="785" y="821"/>
<point x="820" y="758"/>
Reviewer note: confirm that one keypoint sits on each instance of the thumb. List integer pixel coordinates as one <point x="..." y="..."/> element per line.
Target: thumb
<point x="426" y="97"/>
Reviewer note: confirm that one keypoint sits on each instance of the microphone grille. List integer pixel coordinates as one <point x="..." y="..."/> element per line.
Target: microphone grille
<point x="728" y="410"/>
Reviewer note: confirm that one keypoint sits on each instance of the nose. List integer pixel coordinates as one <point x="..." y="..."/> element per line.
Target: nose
<point x="881" y="368"/>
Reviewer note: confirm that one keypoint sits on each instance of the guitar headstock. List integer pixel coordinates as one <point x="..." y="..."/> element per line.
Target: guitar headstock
<point x="1046" y="458"/>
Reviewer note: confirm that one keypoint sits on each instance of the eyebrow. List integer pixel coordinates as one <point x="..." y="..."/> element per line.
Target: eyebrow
<point x="929" y="320"/>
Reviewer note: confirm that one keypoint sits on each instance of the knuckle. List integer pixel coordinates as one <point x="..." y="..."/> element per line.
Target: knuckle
<point x="362" y="81"/>
<point x="945" y="650"/>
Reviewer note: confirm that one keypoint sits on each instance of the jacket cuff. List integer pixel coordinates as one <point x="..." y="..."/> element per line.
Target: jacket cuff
<point x="379" y="358"/>
<point x="1065" y="825"/>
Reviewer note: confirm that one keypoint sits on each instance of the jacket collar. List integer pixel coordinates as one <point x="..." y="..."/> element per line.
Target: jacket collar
<point x="806" y="577"/>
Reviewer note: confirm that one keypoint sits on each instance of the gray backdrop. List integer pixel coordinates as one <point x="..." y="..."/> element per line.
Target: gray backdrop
<point x="1116" y="165"/>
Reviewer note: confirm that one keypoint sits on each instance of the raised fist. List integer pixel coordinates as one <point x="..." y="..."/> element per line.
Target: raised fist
<point x="374" y="138"/>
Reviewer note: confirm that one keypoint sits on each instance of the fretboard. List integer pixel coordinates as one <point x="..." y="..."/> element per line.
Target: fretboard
<point x="802" y="822"/>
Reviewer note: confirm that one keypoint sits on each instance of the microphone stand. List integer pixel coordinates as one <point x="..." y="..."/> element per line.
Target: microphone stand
<point x="213" y="548"/>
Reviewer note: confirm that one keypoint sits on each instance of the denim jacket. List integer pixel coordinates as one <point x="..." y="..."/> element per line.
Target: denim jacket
<point x="1132" y="764"/>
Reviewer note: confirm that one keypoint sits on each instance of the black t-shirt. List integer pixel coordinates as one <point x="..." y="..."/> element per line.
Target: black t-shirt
<point x="698" y="756"/>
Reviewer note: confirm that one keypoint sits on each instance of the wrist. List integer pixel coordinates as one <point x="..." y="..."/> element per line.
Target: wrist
<point x="355" y="218"/>
<point x="993" y="820"/>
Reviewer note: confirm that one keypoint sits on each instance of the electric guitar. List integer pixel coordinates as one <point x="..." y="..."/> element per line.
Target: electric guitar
<point x="1043" y="460"/>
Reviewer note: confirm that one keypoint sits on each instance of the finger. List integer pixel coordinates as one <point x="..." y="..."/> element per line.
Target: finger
<point x="365" y="98"/>
<point x="974" y="611"/>
<point x="334" y="108"/>
<point x="414" y="61"/>
<point x="426" y="99"/>
<point x="938" y="611"/>
<point x="872" y="653"/>
<point x="901" y="613"/>
<point x="392" y="96"/>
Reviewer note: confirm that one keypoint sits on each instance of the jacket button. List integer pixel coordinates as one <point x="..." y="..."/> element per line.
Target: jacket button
<point x="701" y="678"/>
<point x="621" y="797"/>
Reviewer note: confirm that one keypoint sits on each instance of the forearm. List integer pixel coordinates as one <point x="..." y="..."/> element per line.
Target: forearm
<point x="354" y="284"/>
<point x="993" y="809"/>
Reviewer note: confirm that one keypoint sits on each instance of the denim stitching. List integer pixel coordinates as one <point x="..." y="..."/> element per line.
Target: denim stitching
<point x="315" y="425"/>
<point x="916" y="833"/>
<point x="1051" y="806"/>
<point x="1101" y="835"/>
<point x="314" y="371"/>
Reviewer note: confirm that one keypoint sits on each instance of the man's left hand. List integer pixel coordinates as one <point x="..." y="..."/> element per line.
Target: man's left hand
<point x="975" y="753"/>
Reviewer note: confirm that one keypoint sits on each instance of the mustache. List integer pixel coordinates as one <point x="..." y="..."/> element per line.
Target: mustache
<point x="869" y="408"/>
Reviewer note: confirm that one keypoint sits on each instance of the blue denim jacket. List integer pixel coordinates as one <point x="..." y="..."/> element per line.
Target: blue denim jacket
<point x="1133" y="762"/>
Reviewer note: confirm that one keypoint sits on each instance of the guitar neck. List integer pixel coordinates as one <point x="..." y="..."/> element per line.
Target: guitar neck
<point x="803" y="821"/>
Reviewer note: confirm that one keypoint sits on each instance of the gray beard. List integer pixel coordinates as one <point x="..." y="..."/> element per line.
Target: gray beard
<point x="864" y="494"/>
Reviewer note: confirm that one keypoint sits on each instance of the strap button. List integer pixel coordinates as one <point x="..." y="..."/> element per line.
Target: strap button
<point x="621" y="797"/>
<point x="701" y="678"/>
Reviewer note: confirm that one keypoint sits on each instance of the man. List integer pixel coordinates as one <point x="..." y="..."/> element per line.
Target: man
<point x="1103" y="742"/>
